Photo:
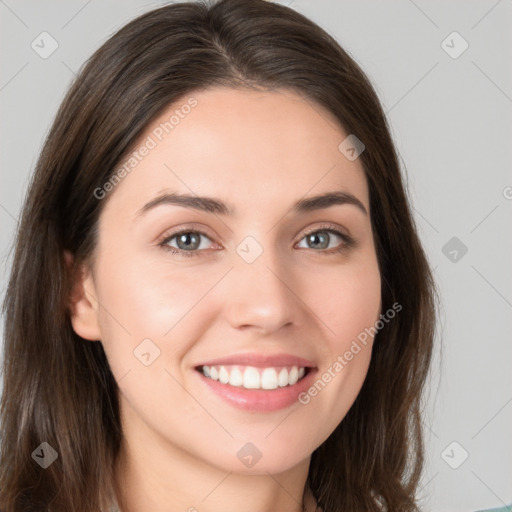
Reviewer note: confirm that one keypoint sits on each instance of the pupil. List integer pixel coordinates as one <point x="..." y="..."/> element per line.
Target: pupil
<point x="185" y="239"/>
<point x="315" y="237"/>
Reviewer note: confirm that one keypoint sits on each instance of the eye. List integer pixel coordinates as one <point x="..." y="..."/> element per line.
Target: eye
<point x="190" y="242"/>
<point x="322" y="238"/>
<point x="187" y="242"/>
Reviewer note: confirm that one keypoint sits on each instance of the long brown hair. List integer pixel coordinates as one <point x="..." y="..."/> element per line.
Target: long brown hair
<point x="59" y="389"/>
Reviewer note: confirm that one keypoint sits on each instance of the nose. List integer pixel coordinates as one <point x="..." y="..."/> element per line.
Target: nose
<point x="262" y="295"/>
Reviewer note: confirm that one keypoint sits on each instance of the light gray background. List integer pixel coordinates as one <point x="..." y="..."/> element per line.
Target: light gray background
<point x="451" y="120"/>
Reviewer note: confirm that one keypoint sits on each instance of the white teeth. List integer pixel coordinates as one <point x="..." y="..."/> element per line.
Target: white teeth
<point x="269" y="378"/>
<point x="236" y="378"/>
<point x="283" y="378"/>
<point x="223" y="375"/>
<point x="294" y="376"/>
<point x="250" y="377"/>
<point x="214" y="373"/>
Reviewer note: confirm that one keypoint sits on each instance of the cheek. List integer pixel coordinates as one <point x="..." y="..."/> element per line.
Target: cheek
<point x="151" y="301"/>
<point x="346" y="299"/>
<point x="348" y="303"/>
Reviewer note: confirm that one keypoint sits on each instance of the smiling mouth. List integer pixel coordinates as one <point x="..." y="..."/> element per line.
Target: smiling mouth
<point x="251" y="377"/>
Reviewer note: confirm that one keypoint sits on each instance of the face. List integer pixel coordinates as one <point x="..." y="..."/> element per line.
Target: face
<point x="260" y="288"/>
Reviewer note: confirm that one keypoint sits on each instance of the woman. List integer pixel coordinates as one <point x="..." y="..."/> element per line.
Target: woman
<point x="218" y="299"/>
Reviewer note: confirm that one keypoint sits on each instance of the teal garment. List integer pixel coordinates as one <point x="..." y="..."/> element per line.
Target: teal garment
<point x="507" y="508"/>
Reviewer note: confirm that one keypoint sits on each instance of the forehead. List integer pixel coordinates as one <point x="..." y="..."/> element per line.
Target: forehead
<point x="252" y="148"/>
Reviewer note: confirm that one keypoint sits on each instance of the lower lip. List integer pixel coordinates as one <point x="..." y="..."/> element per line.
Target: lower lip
<point x="260" y="400"/>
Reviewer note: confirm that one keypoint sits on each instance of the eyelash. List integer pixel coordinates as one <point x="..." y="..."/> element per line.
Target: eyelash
<point x="348" y="241"/>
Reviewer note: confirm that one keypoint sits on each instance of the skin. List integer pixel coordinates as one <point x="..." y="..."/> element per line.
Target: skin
<point x="260" y="152"/>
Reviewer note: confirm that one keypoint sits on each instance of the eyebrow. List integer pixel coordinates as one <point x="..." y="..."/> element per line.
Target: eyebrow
<point x="213" y="205"/>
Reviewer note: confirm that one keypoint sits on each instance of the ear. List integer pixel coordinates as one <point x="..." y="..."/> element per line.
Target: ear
<point x="82" y="303"/>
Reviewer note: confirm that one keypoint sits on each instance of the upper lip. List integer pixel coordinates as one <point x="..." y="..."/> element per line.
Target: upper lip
<point x="260" y="360"/>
